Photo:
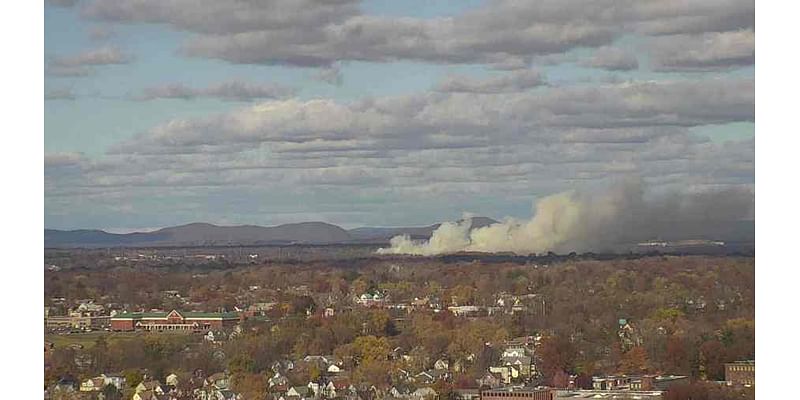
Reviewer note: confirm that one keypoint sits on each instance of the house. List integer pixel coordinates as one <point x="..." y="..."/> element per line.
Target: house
<point x="278" y="380"/>
<point x="339" y="388"/>
<point x="431" y="376"/>
<point x="93" y="385"/>
<point x="523" y="364"/>
<point x="420" y="303"/>
<point x="97" y="384"/>
<point x="372" y="299"/>
<point x="333" y="369"/>
<point x="172" y="380"/>
<point x="226" y="395"/>
<point x="147" y="395"/>
<point x="425" y="393"/>
<point x="314" y="388"/>
<point x="211" y="393"/>
<point x="401" y="391"/>
<point x="464" y="311"/>
<point x="90" y="308"/>
<point x="368" y="392"/>
<point x="65" y="385"/>
<point x="220" y="380"/>
<point x="507" y="373"/>
<point x="522" y="345"/>
<point x="114" y="379"/>
<point x="149" y="385"/>
<point x="299" y="392"/>
<point x="441" y="364"/>
<point x="467" y="394"/>
<point x="490" y="380"/>
<point x="217" y="336"/>
<point x="284" y="365"/>
<point x="327" y="363"/>
<point x="611" y="382"/>
<point x="403" y="374"/>
<point x="261" y="308"/>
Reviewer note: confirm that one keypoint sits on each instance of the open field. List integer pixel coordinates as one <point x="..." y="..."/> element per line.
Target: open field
<point x="87" y="340"/>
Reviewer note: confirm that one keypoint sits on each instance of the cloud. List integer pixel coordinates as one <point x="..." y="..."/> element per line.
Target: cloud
<point x="231" y="90"/>
<point x="451" y="139"/>
<point x="64" y="159"/>
<point x="219" y="17"/>
<point x="59" y="94"/>
<point x="512" y="82"/>
<point x="80" y="64"/>
<point x="331" y="75"/>
<point x="62" y="3"/>
<point x="611" y="58"/>
<point x="65" y="71"/>
<point x="384" y="39"/>
<point x="505" y="34"/>
<point x="458" y="120"/>
<point x="395" y="187"/>
<point x="493" y="142"/>
<point x="703" y="52"/>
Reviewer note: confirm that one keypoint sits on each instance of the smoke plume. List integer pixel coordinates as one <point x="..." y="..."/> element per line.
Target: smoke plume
<point x="596" y="221"/>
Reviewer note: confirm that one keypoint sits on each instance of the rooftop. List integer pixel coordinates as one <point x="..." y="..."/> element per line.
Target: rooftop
<point x="186" y="314"/>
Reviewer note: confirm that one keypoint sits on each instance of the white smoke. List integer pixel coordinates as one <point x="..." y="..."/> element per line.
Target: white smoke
<point x="574" y="221"/>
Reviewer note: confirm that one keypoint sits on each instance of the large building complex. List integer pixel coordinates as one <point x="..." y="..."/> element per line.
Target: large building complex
<point x="741" y="373"/>
<point x="76" y="321"/>
<point x="512" y="393"/>
<point x="162" y="321"/>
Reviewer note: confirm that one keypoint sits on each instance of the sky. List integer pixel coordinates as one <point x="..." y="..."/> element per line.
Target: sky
<point x="385" y="113"/>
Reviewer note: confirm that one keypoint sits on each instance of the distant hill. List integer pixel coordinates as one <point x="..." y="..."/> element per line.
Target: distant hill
<point x="202" y="234"/>
<point x="369" y="234"/>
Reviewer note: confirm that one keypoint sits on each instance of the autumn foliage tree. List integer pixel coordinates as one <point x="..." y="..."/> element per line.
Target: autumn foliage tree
<point x="634" y="361"/>
<point x="557" y="354"/>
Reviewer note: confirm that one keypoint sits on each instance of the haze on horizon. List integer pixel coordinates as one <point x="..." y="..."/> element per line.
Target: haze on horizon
<point x="383" y="113"/>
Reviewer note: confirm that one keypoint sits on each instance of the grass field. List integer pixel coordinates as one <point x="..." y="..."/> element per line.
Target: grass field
<point x="88" y="339"/>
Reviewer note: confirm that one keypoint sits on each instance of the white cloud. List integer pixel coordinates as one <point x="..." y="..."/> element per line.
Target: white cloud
<point x="703" y="52"/>
<point x="230" y="90"/>
<point x="613" y="59"/>
<point x="515" y="81"/>
<point x="81" y="64"/>
<point x="503" y="33"/>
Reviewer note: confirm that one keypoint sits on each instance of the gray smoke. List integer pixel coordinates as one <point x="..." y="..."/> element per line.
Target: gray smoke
<point x="595" y="221"/>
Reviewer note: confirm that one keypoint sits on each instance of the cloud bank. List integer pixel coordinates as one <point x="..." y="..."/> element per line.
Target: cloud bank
<point x="81" y="64"/>
<point x="231" y="90"/>
<point x="503" y="32"/>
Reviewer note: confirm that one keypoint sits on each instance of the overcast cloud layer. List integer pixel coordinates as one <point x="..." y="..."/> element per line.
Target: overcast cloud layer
<point x="537" y="98"/>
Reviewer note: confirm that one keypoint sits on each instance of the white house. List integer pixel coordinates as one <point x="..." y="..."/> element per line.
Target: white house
<point x="172" y="380"/>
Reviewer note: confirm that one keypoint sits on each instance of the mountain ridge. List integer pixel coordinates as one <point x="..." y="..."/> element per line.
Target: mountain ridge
<point x="206" y="234"/>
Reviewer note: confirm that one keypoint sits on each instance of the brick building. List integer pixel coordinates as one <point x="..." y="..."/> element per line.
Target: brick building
<point x="174" y="320"/>
<point x="741" y="373"/>
<point x="517" y="393"/>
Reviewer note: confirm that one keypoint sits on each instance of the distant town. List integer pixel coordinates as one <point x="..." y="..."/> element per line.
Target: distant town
<point x="338" y="322"/>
